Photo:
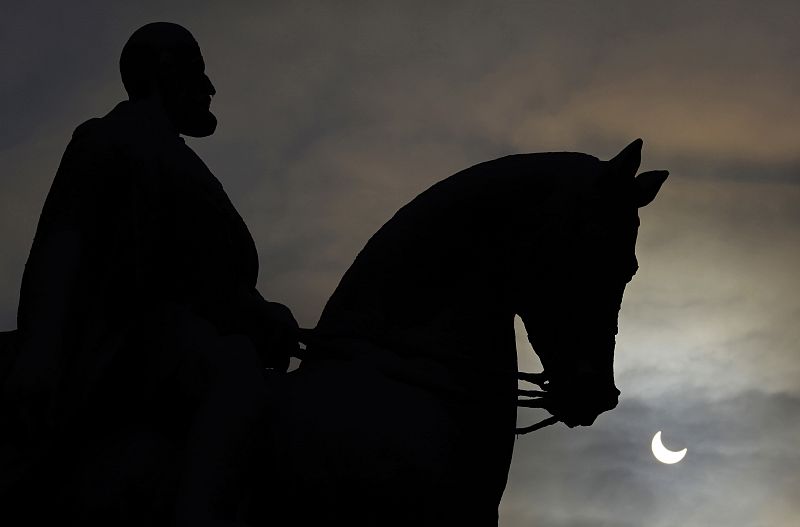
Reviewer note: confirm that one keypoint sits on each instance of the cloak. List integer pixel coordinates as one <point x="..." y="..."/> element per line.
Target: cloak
<point x="138" y="259"/>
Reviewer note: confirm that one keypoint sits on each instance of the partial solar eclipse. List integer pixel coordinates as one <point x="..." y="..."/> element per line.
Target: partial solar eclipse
<point x="664" y="454"/>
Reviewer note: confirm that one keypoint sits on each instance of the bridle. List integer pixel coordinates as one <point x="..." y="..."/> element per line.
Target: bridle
<point x="527" y="398"/>
<point x="534" y="399"/>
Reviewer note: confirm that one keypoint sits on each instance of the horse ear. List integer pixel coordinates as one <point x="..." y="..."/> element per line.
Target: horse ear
<point x="646" y="186"/>
<point x="626" y="163"/>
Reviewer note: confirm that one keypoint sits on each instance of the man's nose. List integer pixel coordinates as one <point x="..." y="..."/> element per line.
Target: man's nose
<point x="209" y="87"/>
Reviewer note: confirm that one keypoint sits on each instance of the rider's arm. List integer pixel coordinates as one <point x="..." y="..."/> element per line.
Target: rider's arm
<point x="272" y="328"/>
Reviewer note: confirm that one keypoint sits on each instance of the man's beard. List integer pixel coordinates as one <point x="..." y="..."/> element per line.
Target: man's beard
<point x="197" y="122"/>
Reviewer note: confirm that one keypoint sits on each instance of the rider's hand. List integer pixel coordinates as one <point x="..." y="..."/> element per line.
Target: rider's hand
<point x="280" y="336"/>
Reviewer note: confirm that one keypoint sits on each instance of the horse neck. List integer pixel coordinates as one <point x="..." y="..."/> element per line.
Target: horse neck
<point x="451" y="330"/>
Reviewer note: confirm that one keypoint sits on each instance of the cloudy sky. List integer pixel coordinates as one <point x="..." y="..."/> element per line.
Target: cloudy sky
<point x="334" y="114"/>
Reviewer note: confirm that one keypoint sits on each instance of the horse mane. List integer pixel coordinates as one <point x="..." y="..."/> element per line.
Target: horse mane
<point x="471" y="218"/>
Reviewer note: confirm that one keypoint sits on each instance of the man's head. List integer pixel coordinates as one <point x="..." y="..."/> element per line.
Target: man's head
<point x="163" y="60"/>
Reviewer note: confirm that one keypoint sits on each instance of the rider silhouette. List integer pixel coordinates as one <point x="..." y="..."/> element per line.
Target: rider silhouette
<point x="138" y="301"/>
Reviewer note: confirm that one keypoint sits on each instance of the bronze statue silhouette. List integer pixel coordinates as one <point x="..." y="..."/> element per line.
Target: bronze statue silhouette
<point x="135" y="389"/>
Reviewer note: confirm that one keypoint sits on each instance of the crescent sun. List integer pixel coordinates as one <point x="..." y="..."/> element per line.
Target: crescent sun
<point x="664" y="454"/>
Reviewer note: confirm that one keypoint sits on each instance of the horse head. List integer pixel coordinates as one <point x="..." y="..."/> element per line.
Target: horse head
<point x="582" y="268"/>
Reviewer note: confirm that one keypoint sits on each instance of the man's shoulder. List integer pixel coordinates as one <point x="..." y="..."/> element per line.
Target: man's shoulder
<point x="101" y="135"/>
<point x="91" y="137"/>
<point x="124" y="132"/>
<point x="111" y="148"/>
<point x="92" y="144"/>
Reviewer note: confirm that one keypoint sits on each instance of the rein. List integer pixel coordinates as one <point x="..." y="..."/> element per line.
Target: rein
<point x="534" y="399"/>
<point x="538" y="426"/>
<point x="530" y="398"/>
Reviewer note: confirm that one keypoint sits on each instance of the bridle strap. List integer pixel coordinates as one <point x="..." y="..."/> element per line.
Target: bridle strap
<point x="538" y="426"/>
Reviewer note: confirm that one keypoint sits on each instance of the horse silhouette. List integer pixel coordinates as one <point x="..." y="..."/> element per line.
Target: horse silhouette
<point x="404" y="409"/>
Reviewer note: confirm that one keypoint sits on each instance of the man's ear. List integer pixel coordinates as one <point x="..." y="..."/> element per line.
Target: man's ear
<point x="646" y="186"/>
